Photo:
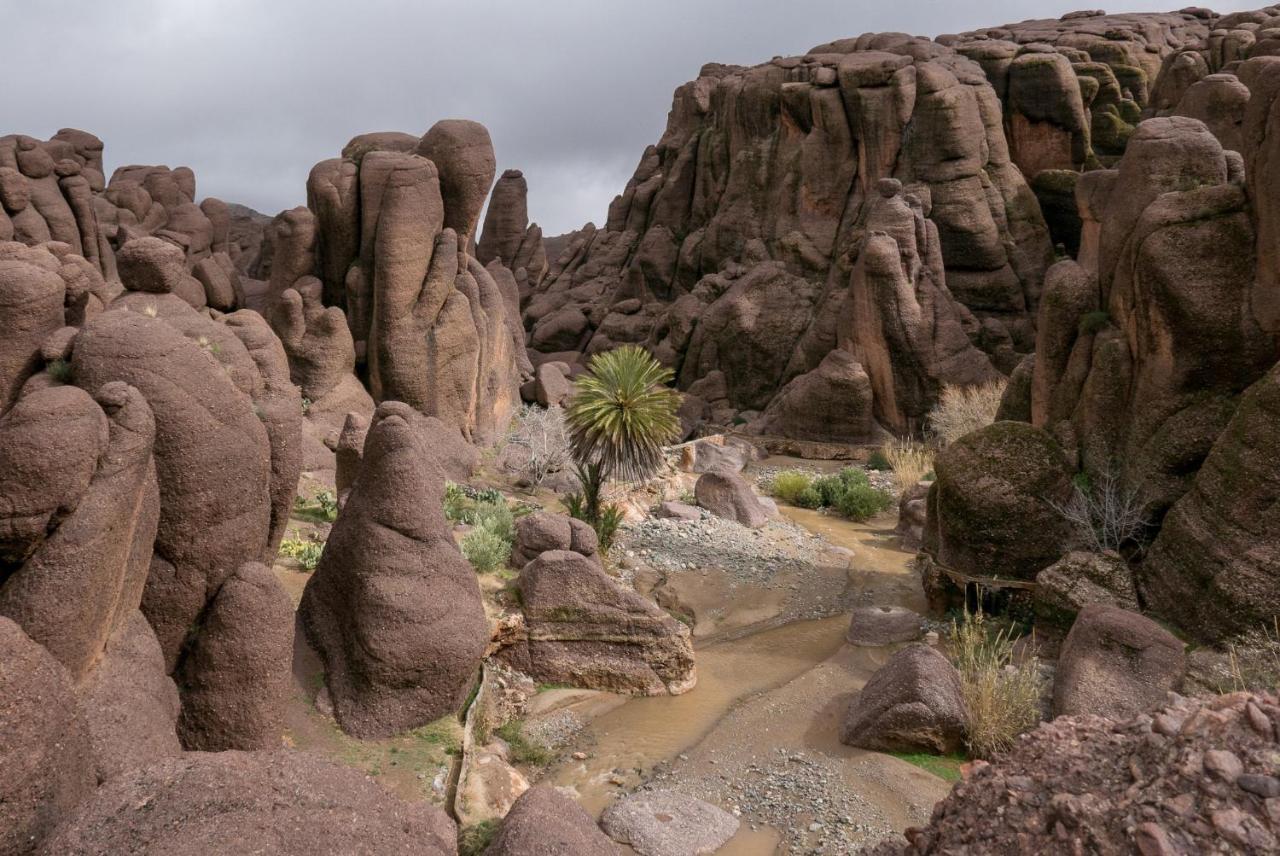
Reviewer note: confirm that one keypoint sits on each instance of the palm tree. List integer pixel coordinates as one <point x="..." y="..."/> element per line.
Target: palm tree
<point x="620" y="416"/>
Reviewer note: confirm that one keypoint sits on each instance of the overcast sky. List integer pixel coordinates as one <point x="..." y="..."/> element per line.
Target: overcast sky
<point x="251" y="93"/>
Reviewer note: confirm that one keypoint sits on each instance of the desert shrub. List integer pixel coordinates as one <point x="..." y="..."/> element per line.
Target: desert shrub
<point x="320" y="508"/>
<point x="1001" y="696"/>
<point x="486" y="549"/>
<point x="1103" y="513"/>
<point x="456" y="502"/>
<point x="59" y="370"/>
<point x="543" y="432"/>
<point x="305" y="552"/>
<point x="808" y="498"/>
<point x="878" y="460"/>
<point x="861" y="502"/>
<point x="524" y="750"/>
<point x="473" y="840"/>
<point x="608" y="519"/>
<point x="961" y="409"/>
<point x="1094" y="322"/>
<point x="788" y="485"/>
<point x="910" y="461"/>
<point x="832" y="487"/>
<point x="495" y="516"/>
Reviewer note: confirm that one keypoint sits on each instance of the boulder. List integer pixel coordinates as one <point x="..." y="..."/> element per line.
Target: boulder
<point x="1079" y="579"/>
<point x="44" y="743"/>
<point x="392" y="578"/>
<point x="550" y="388"/>
<point x="668" y="823"/>
<point x="913" y="703"/>
<point x="677" y="511"/>
<point x="200" y="803"/>
<point x="236" y="678"/>
<point x="727" y="495"/>
<point x="586" y="630"/>
<point x="831" y="403"/>
<point x="913" y="513"/>
<point x="545" y="822"/>
<point x="1116" y="663"/>
<point x="542" y="531"/>
<point x="991" y="509"/>
<point x="31" y="299"/>
<point x="882" y="625"/>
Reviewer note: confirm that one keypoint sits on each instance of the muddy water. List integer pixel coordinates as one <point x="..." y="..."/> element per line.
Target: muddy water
<point x="626" y="743"/>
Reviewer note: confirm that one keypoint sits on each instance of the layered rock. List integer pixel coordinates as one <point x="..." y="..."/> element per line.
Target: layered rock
<point x="430" y="323"/>
<point x="721" y="272"/>
<point x="584" y="629"/>
<point x="393" y="607"/>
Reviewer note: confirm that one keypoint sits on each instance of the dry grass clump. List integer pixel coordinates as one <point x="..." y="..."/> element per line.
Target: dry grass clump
<point x="961" y="409"/>
<point x="1001" y="696"/>
<point x="909" y="460"/>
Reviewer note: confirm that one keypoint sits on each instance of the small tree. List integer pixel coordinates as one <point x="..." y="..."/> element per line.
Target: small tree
<point x="544" y="434"/>
<point x="620" y="416"/>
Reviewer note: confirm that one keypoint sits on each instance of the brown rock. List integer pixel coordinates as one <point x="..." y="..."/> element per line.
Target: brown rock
<point x="912" y="703"/>
<point x="1116" y="663"/>
<point x="545" y="822"/>
<point x="392" y="577"/>
<point x="727" y="495"/>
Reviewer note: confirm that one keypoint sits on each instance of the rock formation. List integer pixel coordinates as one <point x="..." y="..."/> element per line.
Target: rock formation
<point x="584" y="629"/>
<point x="430" y="324"/>
<point x="913" y="703"/>
<point x="545" y="822"/>
<point x="393" y="607"/>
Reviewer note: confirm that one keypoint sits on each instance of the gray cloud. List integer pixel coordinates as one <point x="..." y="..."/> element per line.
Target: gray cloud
<point x="251" y="93"/>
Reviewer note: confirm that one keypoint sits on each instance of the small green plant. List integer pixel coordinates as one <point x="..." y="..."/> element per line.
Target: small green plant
<point x="485" y="549"/>
<point x="809" y="498"/>
<point x="861" y="502"/>
<point x="877" y="460"/>
<point x="306" y="404"/>
<point x="320" y="508"/>
<point x="456" y="502"/>
<point x="305" y="552"/>
<point x="473" y="840"/>
<point x="524" y="750"/>
<point x="1001" y="696"/>
<point x="787" y="486"/>
<point x="1094" y="322"/>
<point x="445" y="732"/>
<point x="59" y="370"/>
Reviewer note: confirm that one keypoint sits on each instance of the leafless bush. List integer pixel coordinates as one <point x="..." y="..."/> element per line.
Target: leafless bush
<point x="961" y="409"/>
<point x="1103" y="513"/>
<point x="543" y="433"/>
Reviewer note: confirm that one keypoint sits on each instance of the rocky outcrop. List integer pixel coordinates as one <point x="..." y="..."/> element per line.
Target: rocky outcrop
<point x="545" y="822"/>
<point x="542" y="531"/>
<point x="867" y="143"/>
<point x="1194" y="777"/>
<point x="586" y="630"/>
<point x="1116" y="663"/>
<point x="242" y="801"/>
<point x="430" y="324"/>
<point x="44" y="743"/>
<point x="991" y="510"/>
<point x="508" y="236"/>
<point x="913" y="703"/>
<point x="393" y="607"/>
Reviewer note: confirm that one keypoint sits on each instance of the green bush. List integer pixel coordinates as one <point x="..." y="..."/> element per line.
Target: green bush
<point x="808" y="498"/>
<point x="787" y="486"/>
<point x="307" y="553"/>
<point x="494" y="516"/>
<point x="861" y="502"/>
<point x="485" y="549"/>
<point x="524" y="750"/>
<point x="456" y="501"/>
<point x="832" y="487"/>
<point x="475" y="839"/>
<point x="878" y="460"/>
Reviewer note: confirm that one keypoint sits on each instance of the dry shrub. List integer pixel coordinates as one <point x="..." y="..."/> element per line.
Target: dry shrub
<point x="909" y="460"/>
<point x="1001" y="697"/>
<point x="544" y="433"/>
<point x="961" y="409"/>
<point x="1104" y="515"/>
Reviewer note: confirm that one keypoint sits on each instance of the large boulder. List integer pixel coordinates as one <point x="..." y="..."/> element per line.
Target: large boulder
<point x="668" y="823"/>
<point x="913" y="703"/>
<point x="545" y="822"/>
<point x="1079" y="579"/>
<point x="545" y="530"/>
<point x="31" y="300"/>
<point x="276" y="803"/>
<point x="991" y="510"/>
<point x="586" y="630"/>
<point x="393" y="608"/>
<point x="44" y="743"/>
<point x="831" y="403"/>
<point x="1116" y="663"/>
<point x="727" y="495"/>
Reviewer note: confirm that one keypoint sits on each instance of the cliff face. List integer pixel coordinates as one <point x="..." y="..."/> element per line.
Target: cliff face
<point x="751" y="241"/>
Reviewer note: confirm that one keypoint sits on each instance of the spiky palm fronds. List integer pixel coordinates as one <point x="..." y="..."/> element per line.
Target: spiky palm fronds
<point x="621" y="414"/>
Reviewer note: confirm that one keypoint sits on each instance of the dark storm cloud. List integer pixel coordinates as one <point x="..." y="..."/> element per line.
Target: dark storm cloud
<point x="251" y="93"/>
